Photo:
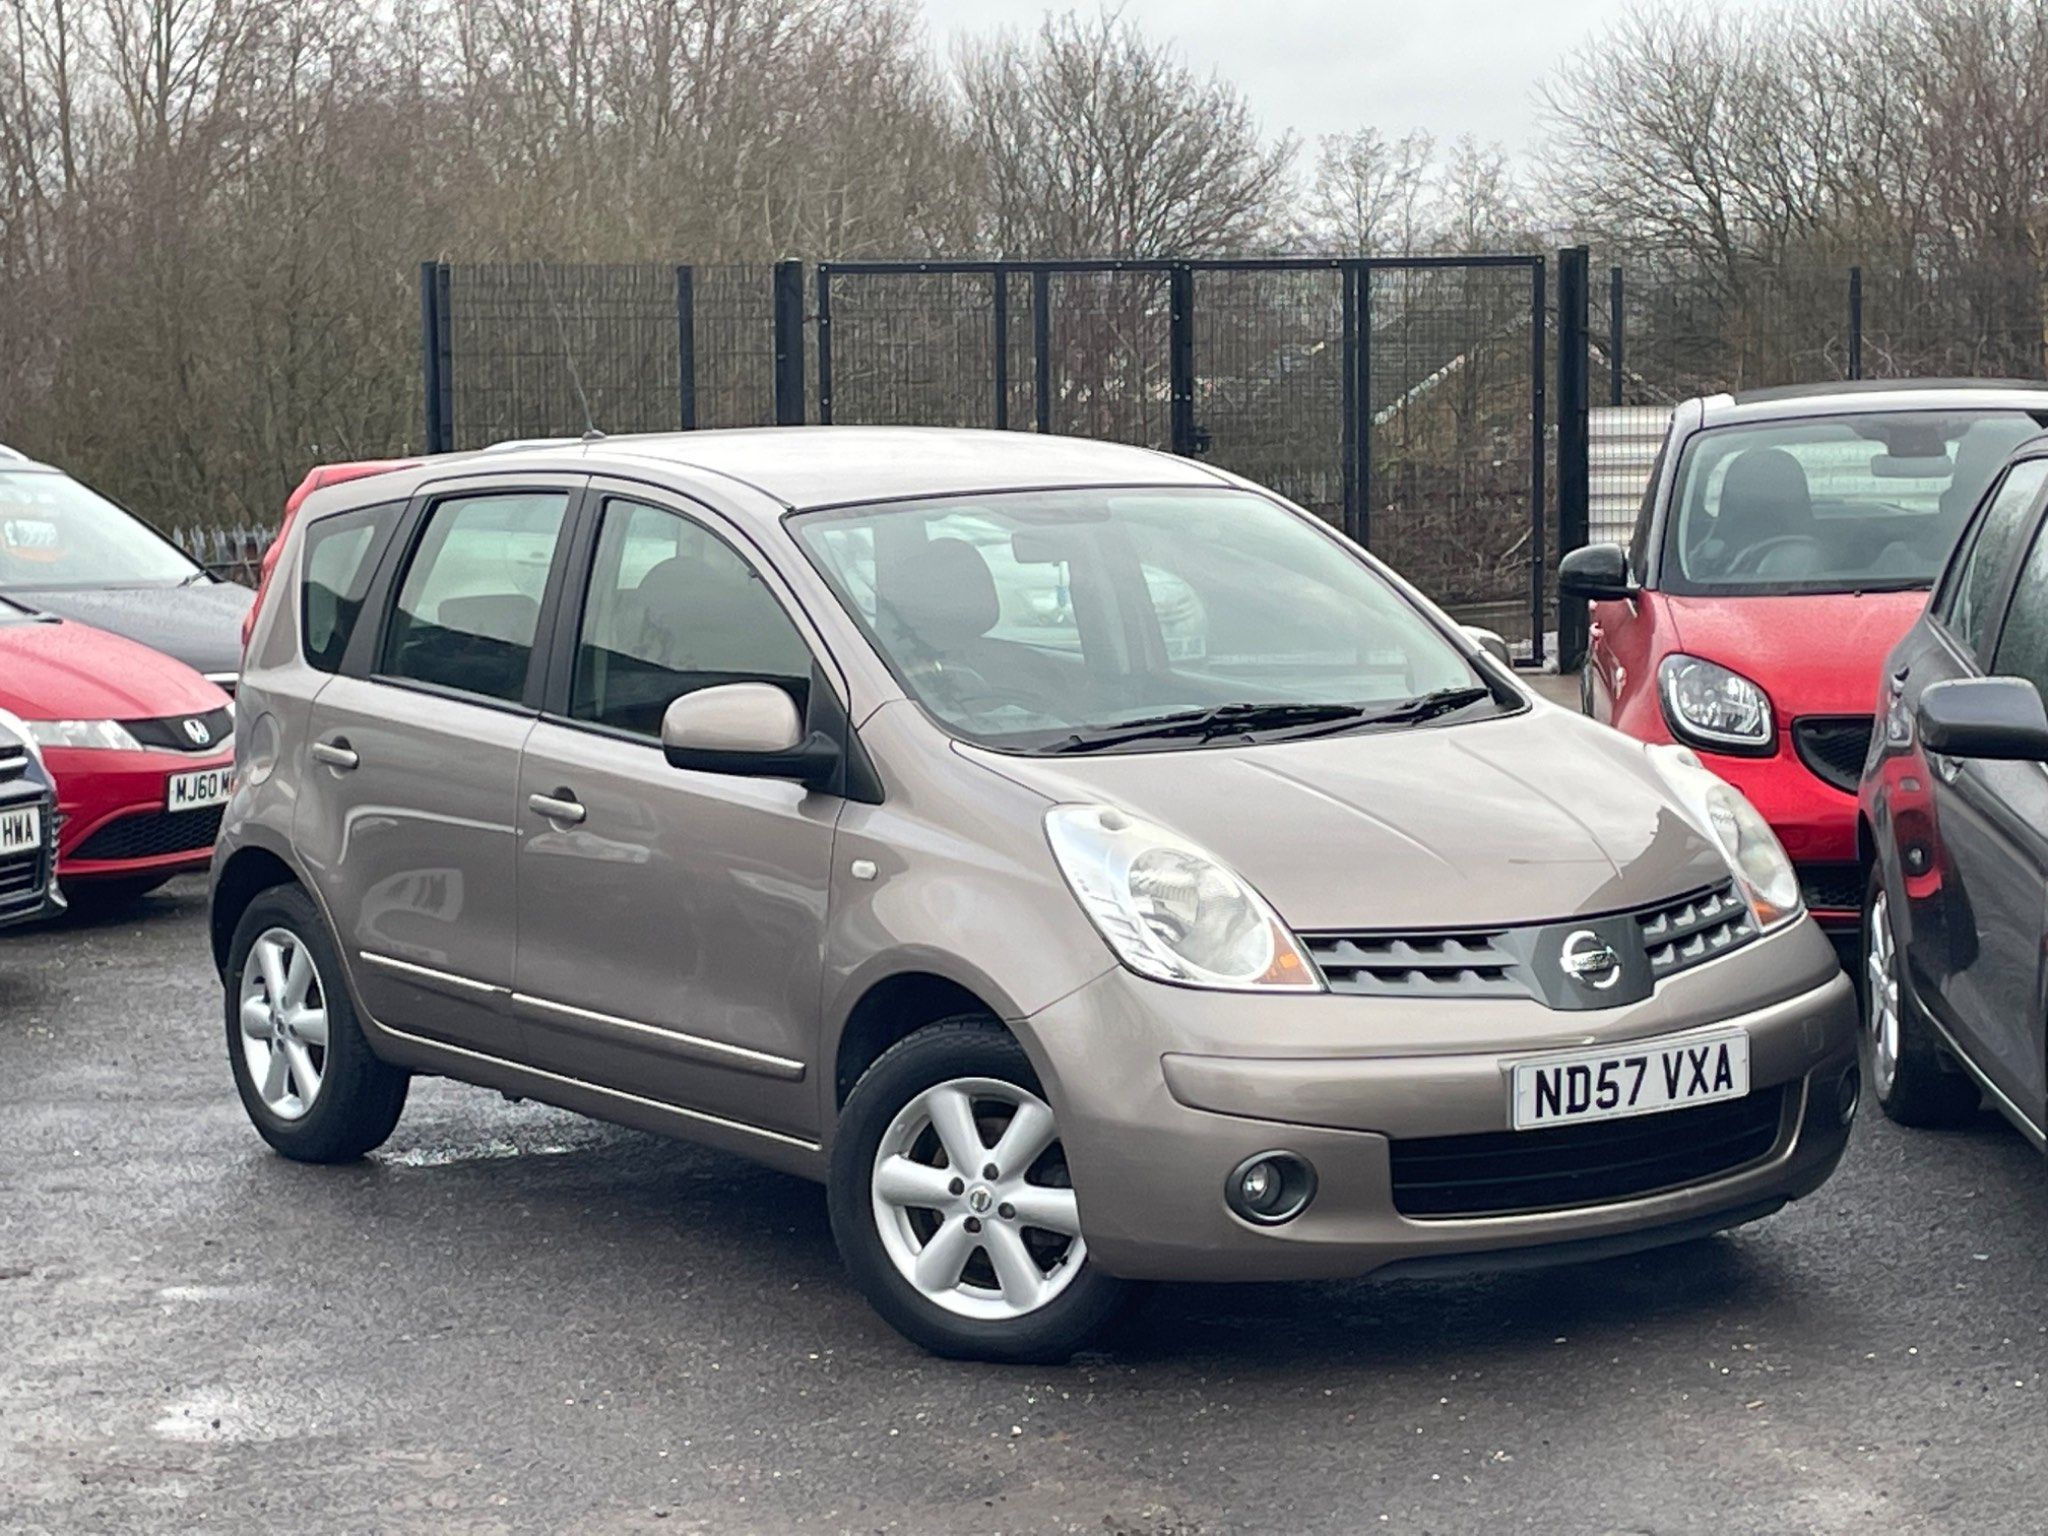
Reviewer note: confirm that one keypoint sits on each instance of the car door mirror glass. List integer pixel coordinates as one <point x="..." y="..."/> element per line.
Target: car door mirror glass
<point x="1598" y="573"/>
<point x="1985" y="717"/>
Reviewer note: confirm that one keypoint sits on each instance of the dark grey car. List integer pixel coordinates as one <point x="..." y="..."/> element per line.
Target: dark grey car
<point x="1954" y="822"/>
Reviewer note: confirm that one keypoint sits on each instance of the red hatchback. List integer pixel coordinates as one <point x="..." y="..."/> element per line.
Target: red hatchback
<point x="1786" y="541"/>
<point x="141" y="747"/>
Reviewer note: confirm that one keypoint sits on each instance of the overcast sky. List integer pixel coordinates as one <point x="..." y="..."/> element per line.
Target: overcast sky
<point x="1327" y="66"/>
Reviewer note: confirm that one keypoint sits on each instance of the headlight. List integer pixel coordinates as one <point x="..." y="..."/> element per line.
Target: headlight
<point x="1762" y="870"/>
<point x="1709" y="705"/>
<point x="101" y="735"/>
<point x="1168" y="909"/>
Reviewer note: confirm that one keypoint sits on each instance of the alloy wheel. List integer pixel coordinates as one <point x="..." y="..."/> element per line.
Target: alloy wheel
<point x="972" y="1199"/>
<point x="284" y="1023"/>
<point x="1881" y="988"/>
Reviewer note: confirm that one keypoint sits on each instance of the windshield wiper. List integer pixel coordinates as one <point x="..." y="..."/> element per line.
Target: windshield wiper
<point x="1204" y="724"/>
<point x="1427" y="706"/>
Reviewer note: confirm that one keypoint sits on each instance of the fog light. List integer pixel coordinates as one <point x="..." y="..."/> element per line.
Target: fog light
<point x="1270" y="1187"/>
<point x="1847" y="1092"/>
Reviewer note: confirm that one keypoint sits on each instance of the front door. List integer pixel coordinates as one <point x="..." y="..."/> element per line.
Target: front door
<point x="408" y="813"/>
<point x="671" y="923"/>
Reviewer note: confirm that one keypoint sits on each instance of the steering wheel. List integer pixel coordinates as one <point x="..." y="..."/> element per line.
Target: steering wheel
<point x="1752" y="558"/>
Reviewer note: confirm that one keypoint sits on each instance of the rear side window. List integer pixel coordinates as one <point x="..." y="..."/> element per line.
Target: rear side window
<point x="672" y="609"/>
<point x="1966" y="604"/>
<point x="2023" y="643"/>
<point x="470" y="602"/>
<point x="341" y="556"/>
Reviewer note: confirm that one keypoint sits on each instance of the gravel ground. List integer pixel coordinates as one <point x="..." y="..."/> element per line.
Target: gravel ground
<point x="511" y="1319"/>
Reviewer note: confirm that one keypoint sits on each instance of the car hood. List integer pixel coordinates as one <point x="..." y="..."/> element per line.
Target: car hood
<point x="201" y="626"/>
<point x="1814" y="654"/>
<point x="66" y="671"/>
<point x="1532" y="818"/>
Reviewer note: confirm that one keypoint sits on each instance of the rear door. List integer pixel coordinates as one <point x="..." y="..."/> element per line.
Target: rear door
<point x="407" y="816"/>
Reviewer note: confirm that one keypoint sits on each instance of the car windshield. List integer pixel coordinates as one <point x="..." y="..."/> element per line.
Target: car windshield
<point x="56" y="533"/>
<point x="1083" y="620"/>
<point x="1831" y="504"/>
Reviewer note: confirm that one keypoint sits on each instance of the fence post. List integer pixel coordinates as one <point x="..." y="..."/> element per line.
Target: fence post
<point x="1347" y="376"/>
<point x="1041" y="349"/>
<point x="789" y="348"/>
<point x="824" y="349"/>
<point x="1856" y="322"/>
<point x="686" y="349"/>
<point x="1001" y="342"/>
<point x="1616" y="334"/>
<point x="1180" y="359"/>
<point x="1574" y="443"/>
<point x="437" y="383"/>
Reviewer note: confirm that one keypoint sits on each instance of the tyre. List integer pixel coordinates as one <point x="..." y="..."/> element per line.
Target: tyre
<point x="1907" y="1068"/>
<point x="305" y="1073"/>
<point x="952" y="1207"/>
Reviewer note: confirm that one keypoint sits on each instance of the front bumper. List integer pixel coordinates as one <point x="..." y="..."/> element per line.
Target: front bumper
<point x="118" y="801"/>
<point x="28" y="879"/>
<point x="1161" y="1092"/>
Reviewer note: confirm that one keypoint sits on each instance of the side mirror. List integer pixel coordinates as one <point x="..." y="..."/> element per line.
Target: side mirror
<point x="1988" y="717"/>
<point x="749" y="729"/>
<point x="1598" y="573"/>
<point x="1489" y="641"/>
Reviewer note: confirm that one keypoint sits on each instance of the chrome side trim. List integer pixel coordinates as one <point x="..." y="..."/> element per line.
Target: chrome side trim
<point x="427" y="974"/>
<point x="716" y="1051"/>
<point x="700" y="1116"/>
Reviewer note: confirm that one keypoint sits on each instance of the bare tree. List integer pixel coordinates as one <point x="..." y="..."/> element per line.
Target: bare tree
<point x="1093" y="140"/>
<point x="1369" y="195"/>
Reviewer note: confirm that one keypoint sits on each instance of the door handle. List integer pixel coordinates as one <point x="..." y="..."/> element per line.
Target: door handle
<point x="561" y="806"/>
<point x="336" y="754"/>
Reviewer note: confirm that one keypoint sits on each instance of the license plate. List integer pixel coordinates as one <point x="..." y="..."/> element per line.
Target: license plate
<point x="1566" y="1088"/>
<point x="21" y="830"/>
<point x="195" y="791"/>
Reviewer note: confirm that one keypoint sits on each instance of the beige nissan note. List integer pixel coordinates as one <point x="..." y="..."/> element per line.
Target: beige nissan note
<point x="1089" y="865"/>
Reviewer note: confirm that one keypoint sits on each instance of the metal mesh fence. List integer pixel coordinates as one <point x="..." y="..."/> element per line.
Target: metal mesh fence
<point x="1454" y="445"/>
<point x="522" y="338"/>
<point x="914" y="347"/>
<point x="735" y="344"/>
<point x="1108" y="344"/>
<point x="1269" y="379"/>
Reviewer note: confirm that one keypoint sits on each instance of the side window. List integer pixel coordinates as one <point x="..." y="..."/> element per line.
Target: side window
<point x="672" y="609"/>
<point x="341" y="556"/>
<point x="1969" y="591"/>
<point x="470" y="602"/>
<point x="2023" y="644"/>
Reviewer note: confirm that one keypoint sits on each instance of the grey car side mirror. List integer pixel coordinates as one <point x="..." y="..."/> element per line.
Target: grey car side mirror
<point x="1988" y="717"/>
<point x="750" y="729"/>
<point x="1489" y="641"/>
<point x="1599" y="573"/>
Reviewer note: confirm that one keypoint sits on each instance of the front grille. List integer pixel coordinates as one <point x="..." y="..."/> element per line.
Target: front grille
<point x="1524" y="962"/>
<point x="1507" y="1173"/>
<point x="1833" y="747"/>
<point x="1418" y="965"/>
<point x="13" y="763"/>
<point x="153" y="834"/>
<point x="1694" y="930"/>
<point x="1831" y="887"/>
<point x="169" y="734"/>
<point x="21" y="878"/>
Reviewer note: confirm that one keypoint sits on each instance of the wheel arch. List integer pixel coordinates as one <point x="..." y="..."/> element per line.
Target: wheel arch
<point x="892" y="1008"/>
<point x="247" y="873"/>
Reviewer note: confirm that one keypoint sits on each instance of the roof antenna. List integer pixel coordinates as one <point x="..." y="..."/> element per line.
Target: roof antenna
<point x="590" y="432"/>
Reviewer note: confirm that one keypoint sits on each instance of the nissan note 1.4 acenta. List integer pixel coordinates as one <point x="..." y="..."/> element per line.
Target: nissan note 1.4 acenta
<point x="1091" y="867"/>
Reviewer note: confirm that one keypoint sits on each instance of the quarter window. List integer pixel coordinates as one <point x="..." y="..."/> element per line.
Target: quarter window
<point x="470" y="603"/>
<point x="1966" y="603"/>
<point x="672" y="609"/>
<point x="340" y="559"/>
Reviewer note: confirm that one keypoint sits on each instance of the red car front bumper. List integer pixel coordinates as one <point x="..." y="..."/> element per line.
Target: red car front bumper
<point x="117" y="821"/>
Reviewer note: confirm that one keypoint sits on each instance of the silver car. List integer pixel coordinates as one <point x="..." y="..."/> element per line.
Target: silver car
<point x="1236" y="917"/>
